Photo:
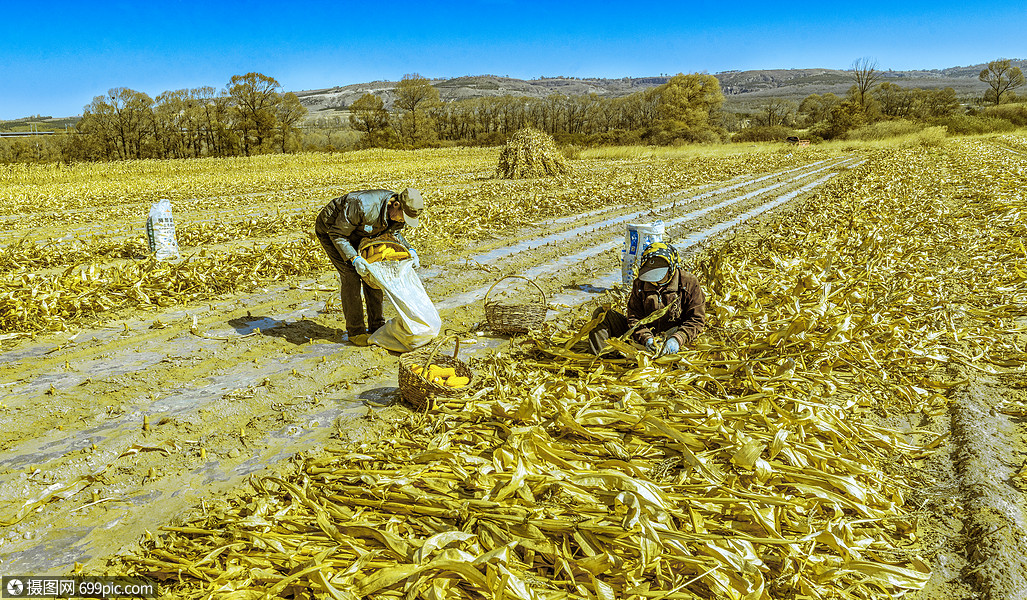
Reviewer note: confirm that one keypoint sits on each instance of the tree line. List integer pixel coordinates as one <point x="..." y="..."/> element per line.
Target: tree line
<point x="253" y="116"/>
<point x="250" y="116"/>
<point x="687" y="108"/>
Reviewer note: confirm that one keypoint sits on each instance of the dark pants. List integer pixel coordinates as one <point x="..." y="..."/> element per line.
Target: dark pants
<point x="614" y="325"/>
<point x="349" y="293"/>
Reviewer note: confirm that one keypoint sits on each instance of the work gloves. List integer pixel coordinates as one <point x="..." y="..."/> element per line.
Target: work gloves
<point x="362" y="266"/>
<point x="669" y="347"/>
<point x="413" y="255"/>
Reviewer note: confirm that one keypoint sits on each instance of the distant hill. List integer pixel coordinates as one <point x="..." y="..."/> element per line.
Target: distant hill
<point x="740" y="87"/>
<point x="796" y="84"/>
<point x="39" y="123"/>
<point x="478" y="86"/>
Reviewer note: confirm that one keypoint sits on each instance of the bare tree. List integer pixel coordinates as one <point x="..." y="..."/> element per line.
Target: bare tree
<point x="289" y="113"/>
<point x="773" y="112"/>
<point x="255" y="97"/>
<point x="368" y="115"/>
<point x="1002" y="77"/>
<point x="864" y="71"/>
<point x="893" y="100"/>
<point x="414" y="93"/>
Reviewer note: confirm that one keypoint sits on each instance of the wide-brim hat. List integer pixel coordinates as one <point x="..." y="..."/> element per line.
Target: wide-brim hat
<point x="413" y="206"/>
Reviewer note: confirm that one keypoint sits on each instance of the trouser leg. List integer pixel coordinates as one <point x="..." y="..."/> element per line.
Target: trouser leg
<point x="374" y="299"/>
<point x="349" y="289"/>
<point x="352" y="305"/>
<point x="614" y="325"/>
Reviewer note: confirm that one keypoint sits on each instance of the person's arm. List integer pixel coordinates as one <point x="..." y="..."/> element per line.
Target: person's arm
<point x="345" y="248"/>
<point x="636" y="312"/>
<point x="398" y="234"/>
<point x="345" y="222"/>
<point x="693" y="310"/>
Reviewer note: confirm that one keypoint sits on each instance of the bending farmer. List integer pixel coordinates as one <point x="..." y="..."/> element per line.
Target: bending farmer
<point x="340" y="227"/>
<point x="660" y="281"/>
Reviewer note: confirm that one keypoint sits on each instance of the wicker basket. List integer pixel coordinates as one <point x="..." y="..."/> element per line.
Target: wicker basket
<point x="514" y="318"/>
<point x="418" y="391"/>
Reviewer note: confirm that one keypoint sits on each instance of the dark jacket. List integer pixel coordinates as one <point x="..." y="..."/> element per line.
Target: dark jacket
<point x="357" y="215"/>
<point x="687" y="307"/>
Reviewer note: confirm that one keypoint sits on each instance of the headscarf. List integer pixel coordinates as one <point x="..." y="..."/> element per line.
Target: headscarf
<point x="661" y="249"/>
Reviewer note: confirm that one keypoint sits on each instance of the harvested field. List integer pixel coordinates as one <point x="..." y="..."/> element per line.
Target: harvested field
<point x="849" y="426"/>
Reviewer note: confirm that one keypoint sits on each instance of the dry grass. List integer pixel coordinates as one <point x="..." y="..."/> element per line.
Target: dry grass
<point x="721" y="151"/>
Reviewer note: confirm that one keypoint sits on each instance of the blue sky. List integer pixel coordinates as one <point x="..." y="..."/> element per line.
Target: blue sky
<point x="56" y="56"/>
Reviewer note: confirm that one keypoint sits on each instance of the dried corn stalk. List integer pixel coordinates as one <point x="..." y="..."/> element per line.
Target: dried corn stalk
<point x="52" y="301"/>
<point x="49" y="284"/>
<point x="745" y="467"/>
<point x="528" y="154"/>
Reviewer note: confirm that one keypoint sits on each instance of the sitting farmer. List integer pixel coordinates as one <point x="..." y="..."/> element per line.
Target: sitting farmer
<point x="340" y="227"/>
<point x="660" y="281"/>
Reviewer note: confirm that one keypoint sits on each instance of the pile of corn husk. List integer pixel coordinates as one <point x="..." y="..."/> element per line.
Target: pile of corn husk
<point x="528" y="154"/>
<point x="478" y="211"/>
<point x="23" y="256"/>
<point x="746" y="467"/>
<point x="57" y="299"/>
<point x="602" y="482"/>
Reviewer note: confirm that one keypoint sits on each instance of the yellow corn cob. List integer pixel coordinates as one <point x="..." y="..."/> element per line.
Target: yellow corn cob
<point x="456" y="381"/>
<point x="439" y="375"/>
<point x="443" y="372"/>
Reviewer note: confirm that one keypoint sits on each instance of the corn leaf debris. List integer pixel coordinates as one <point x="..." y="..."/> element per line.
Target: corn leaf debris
<point x="746" y="467"/>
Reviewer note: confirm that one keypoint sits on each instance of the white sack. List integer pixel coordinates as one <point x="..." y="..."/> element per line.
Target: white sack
<point x="637" y="238"/>
<point x="418" y="322"/>
<point x="160" y="230"/>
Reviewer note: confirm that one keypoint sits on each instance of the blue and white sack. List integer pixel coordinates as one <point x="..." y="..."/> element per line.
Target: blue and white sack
<point x="160" y="231"/>
<point x="637" y="238"/>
